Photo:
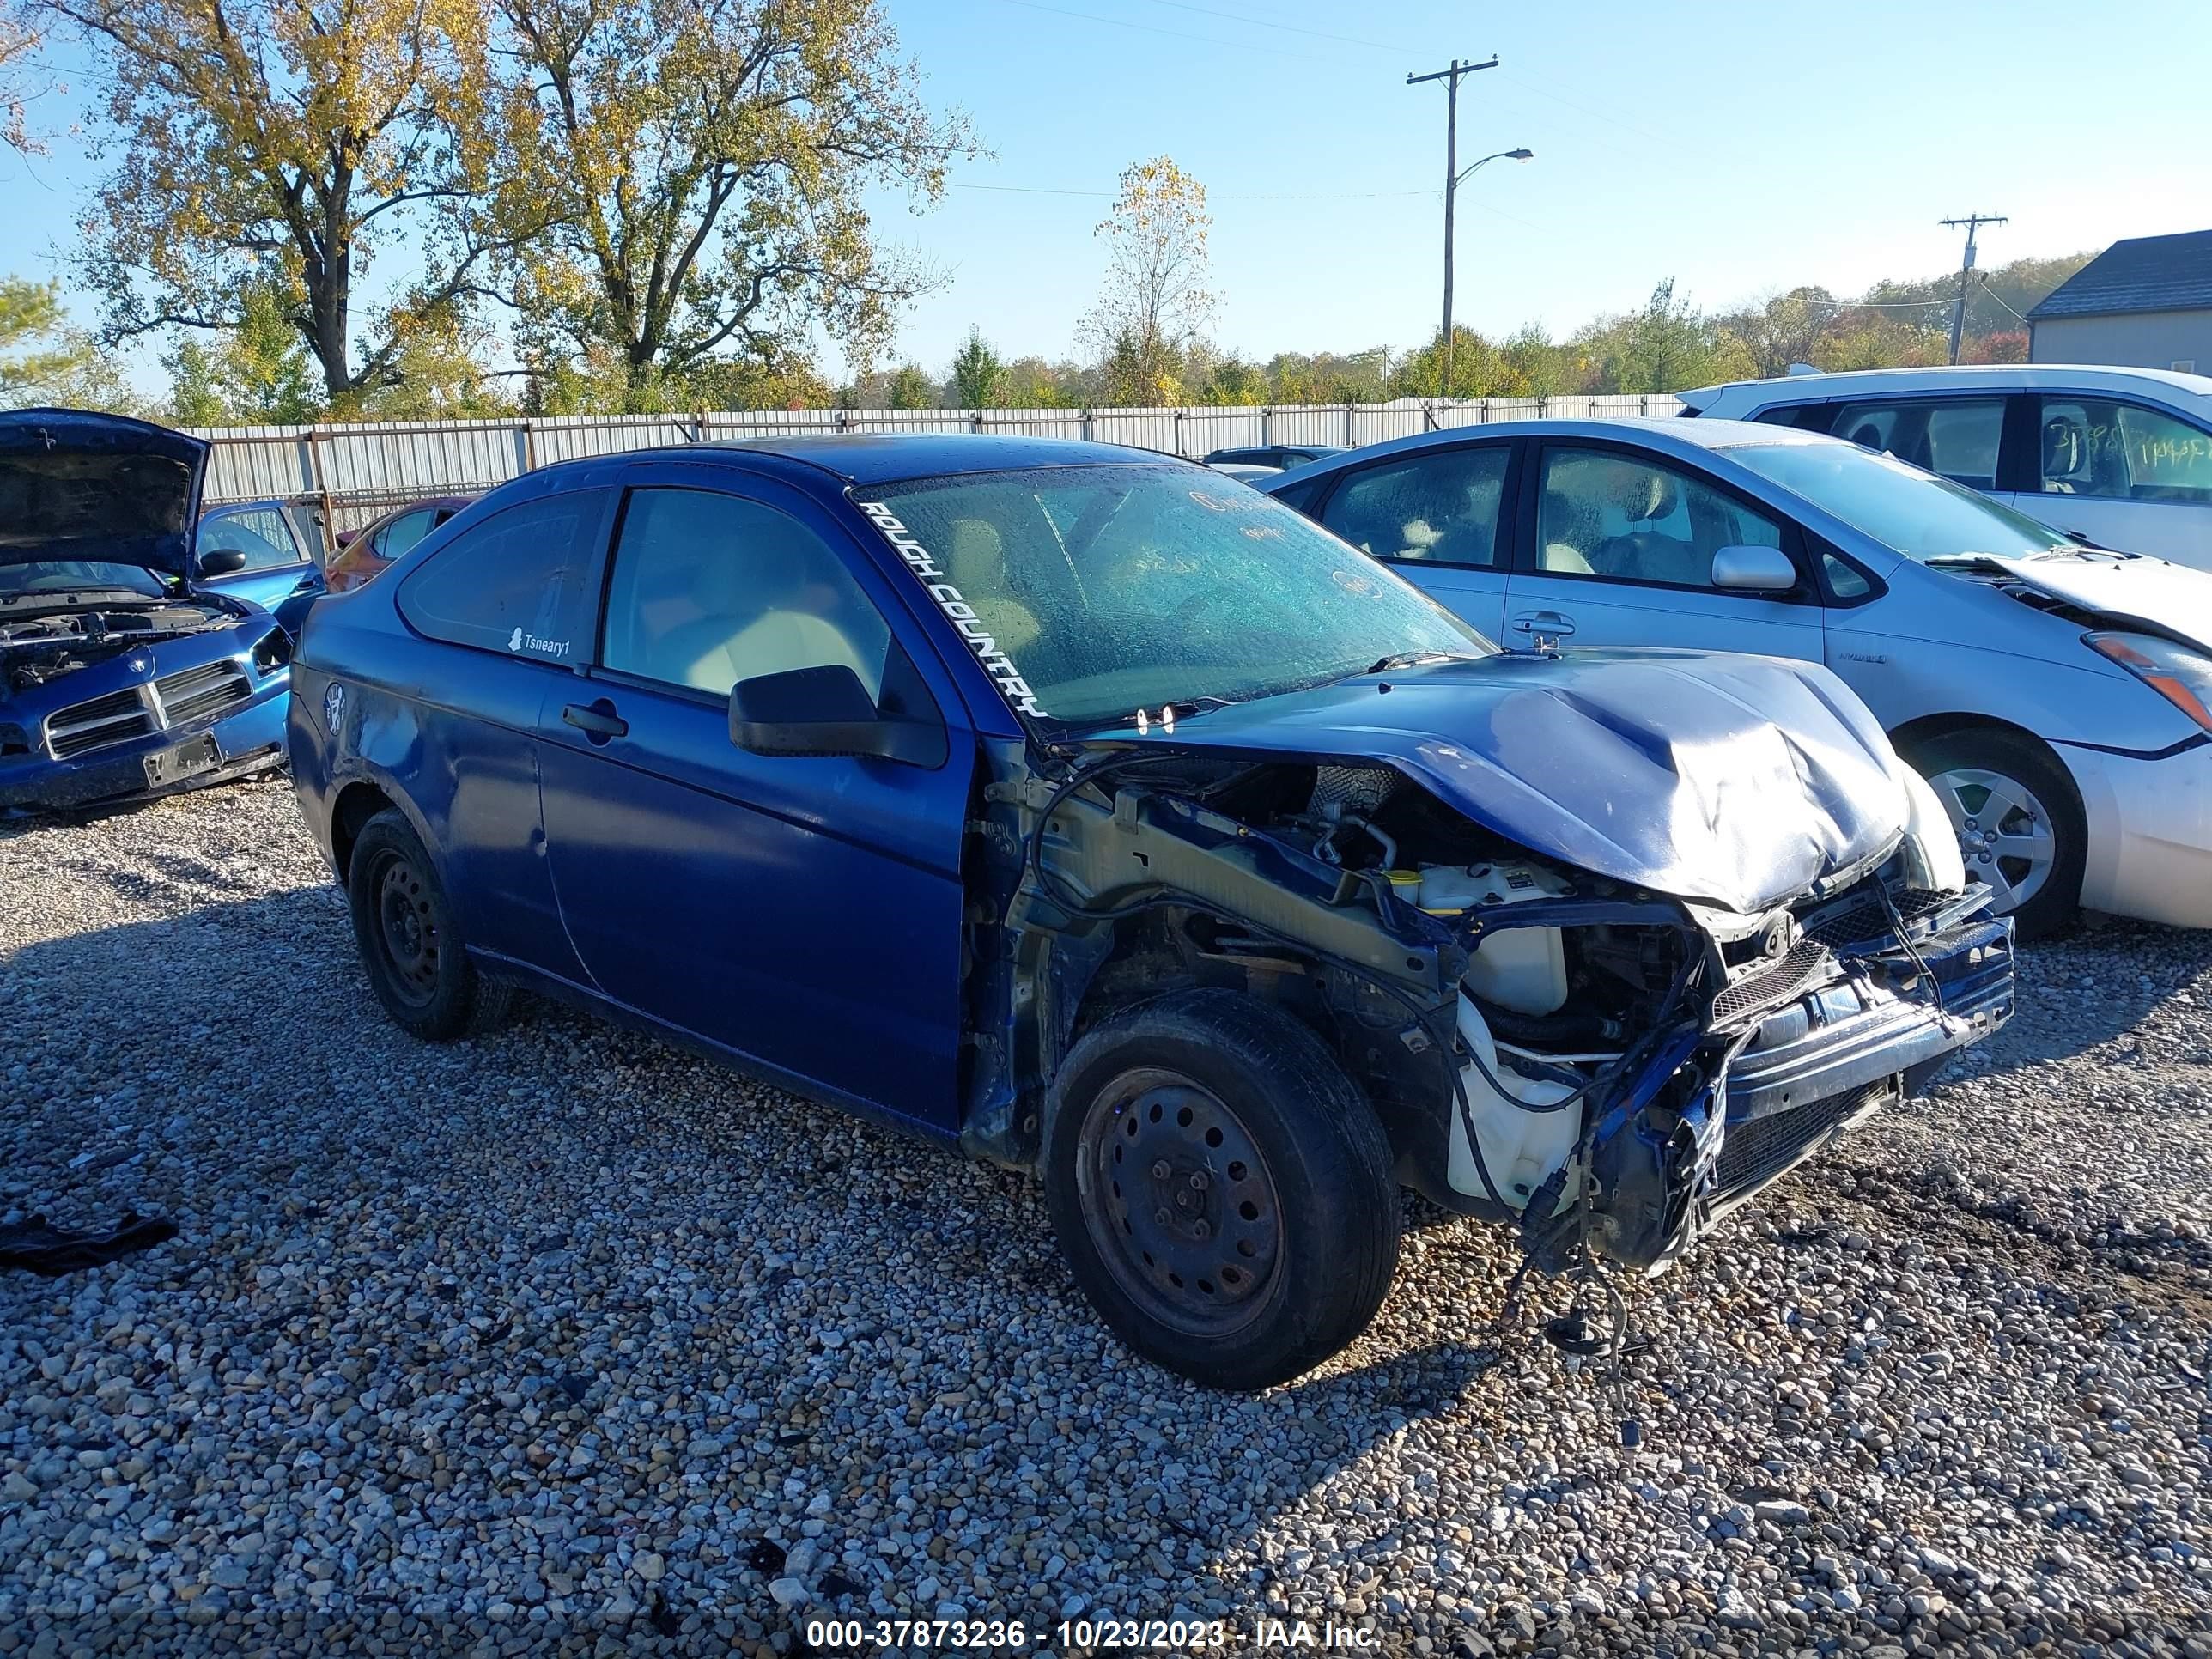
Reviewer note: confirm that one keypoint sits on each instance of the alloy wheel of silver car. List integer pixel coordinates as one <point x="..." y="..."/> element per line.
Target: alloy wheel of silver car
<point x="2007" y="837"/>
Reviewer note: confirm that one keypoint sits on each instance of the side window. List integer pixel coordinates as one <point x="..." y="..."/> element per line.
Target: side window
<point x="1609" y="514"/>
<point x="401" y="534"/>
<point x="514" y="582"/>
<point x="1441" y="507"/>
<point x="259" y="532"/>
<point x="2094" y="447"/>
<point x="1957" y="437"/>
<point x="1802" y="415"/>
<point x="707" y="590"/>
<point x="1844" y="581"/>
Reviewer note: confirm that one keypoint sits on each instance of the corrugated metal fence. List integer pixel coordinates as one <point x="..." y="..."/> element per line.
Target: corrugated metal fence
<point x="357" y="471"/>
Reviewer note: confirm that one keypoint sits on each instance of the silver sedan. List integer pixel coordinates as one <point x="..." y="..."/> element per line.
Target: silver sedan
<point x="2059" y="697"/>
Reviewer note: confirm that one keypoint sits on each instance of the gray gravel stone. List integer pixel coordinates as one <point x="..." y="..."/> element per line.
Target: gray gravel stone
<point x="560" y="1340"/>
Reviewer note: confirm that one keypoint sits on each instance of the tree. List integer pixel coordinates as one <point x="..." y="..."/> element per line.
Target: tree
<point x="1033" y="383"/>
<point x="684" y="179"/>
<point x="910" y="388"/>
<point x="1155" y="301"/>
<point x="259" y="373"/>
<point x="977" y="374"/>
<point x="44" y="361"/>
<point x="1235" y="383"/>
<point x="19" y="41"/>
<point x="1786" y="329"/>
<point x="277" y="148"/>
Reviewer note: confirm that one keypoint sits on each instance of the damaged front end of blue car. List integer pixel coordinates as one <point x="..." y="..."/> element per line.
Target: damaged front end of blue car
<point x="119" y="678"/>
<point x="1611" y="944"/>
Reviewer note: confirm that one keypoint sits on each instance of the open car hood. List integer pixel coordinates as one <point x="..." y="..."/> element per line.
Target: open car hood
<point x="1741" y="782"/>
<point x="2131" y="589"/>
<point x="76" y="485"/>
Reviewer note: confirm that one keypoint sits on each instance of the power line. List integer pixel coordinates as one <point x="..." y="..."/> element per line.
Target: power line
<point x="1287" y="29"/>
<point x="1211" y="196"/>
<point x="1172" y="34"/>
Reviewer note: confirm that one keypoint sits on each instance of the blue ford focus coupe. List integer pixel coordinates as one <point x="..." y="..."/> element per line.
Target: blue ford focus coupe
<point x="122" y="675"/>
<point x="1094" y="814"/>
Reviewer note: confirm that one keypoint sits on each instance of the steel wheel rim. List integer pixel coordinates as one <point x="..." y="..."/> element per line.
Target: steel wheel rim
<point x="1178" y="1203"/>
<point x="407" y="930"/>
<point x="2006" y="837"/>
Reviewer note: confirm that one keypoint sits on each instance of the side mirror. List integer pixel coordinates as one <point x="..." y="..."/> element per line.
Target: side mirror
<point x="223" y="561"/>
<point x="1754" y="570"/>
<point x="825" y="711"/>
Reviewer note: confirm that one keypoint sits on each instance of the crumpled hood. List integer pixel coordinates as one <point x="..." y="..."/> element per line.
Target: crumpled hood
<point x="76" y="485"/>
<point x="2130" y="588"/>
<point x="1738" y="780"/>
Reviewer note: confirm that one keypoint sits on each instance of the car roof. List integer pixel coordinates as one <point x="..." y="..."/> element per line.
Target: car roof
<point x="2064" y="377"/>
<point x="870" y="458"/>
<point x="1662" y="433"/>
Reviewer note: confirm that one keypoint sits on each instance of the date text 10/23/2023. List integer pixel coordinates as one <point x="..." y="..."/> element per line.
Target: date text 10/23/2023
<point x="1083" y="1635"/>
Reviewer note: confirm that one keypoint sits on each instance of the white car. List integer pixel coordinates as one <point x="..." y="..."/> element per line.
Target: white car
<point x="2118" y="458"/>
<point x="2058" y="698"/>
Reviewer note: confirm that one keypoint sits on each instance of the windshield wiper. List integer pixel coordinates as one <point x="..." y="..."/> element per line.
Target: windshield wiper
<point x="1963" y="561"/>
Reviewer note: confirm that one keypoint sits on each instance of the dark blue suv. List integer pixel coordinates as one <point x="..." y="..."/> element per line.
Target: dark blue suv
<point x="1101" y="816"/>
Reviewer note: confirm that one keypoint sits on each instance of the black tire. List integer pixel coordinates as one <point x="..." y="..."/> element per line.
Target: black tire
<point x="2029" y="763"/>
<point x="1291" y="1239"/>
<point x="403" y="926"/>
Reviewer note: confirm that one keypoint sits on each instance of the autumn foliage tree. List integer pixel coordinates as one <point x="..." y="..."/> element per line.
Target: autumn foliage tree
<point x="1158" y="297"/>
<point x="683" y="179"/>
<point x="19" y="39"/>
<point x="279" y="146"/>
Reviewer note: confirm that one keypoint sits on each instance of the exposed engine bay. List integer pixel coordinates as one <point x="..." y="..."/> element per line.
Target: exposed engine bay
<point x="1607" y="1068"/>
<point x="36" y="649"/>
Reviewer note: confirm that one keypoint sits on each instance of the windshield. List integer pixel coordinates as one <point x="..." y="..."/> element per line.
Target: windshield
<point x="1910" y="511"/>
<point x="50" y="577"/>
<point x="1111" y="588"/>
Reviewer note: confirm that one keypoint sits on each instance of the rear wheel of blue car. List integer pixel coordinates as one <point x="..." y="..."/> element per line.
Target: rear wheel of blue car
<point x="1221" y="1190"/>
<point x="404" y="930"/>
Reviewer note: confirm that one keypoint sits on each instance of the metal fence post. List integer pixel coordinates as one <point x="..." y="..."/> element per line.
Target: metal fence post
<point x="321" y="485"/>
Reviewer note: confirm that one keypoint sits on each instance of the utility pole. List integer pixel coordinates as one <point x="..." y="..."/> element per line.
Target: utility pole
<point x="1972" y="221"/>
<point x="1451" y="78"/>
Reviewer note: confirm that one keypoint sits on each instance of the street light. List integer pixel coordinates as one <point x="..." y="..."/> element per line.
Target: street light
<point x="1444" y="386"/>
<point x="1502" y="155"/>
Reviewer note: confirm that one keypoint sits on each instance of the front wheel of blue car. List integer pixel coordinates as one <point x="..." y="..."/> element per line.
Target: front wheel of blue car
<point x="1220" y="1189"/>
<point x="403" y="927"/>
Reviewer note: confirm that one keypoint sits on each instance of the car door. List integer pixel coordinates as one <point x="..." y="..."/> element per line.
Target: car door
<point x="275" y="560"/>
<point x="2121" y="475"/>
<point x="805" y="912"/>
<point x="496" y="614"/>
<point x="1434" y="516"/>
<point x="1617" y="548"/>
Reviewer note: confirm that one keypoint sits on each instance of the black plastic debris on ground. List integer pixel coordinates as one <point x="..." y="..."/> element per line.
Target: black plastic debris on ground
<point x="36" y="1246"/>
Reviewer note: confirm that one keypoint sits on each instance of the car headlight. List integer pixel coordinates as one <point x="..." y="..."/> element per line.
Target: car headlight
<point x="1932" y="860"/>
<point x="2177" y="673"/>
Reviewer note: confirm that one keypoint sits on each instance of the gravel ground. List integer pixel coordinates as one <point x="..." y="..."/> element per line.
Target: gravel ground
<point x="561" y="1339"/>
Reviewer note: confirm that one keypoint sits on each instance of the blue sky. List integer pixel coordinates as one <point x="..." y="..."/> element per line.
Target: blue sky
<point x="1739" y="146"/>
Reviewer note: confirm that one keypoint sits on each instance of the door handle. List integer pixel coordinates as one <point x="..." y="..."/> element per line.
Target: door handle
<point x="1550" y="624"/>
<point x="598" y="721"/>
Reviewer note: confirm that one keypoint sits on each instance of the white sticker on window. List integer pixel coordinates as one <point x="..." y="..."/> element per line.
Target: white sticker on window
<point x="961" y="614"/>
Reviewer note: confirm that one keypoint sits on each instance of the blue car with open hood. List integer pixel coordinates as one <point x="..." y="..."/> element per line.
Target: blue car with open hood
<point x="1093" y="814"/>
<point x="121" y="677"/>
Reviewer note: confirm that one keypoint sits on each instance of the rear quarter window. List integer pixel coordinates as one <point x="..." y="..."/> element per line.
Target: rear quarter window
<point x="516" y="582"/>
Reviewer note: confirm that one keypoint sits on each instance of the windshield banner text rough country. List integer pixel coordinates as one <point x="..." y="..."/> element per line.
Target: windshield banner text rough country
<point x="956" y="609"/>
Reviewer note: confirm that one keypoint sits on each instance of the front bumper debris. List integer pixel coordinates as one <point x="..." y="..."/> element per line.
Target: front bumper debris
<point x="1669" y="1159"/>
